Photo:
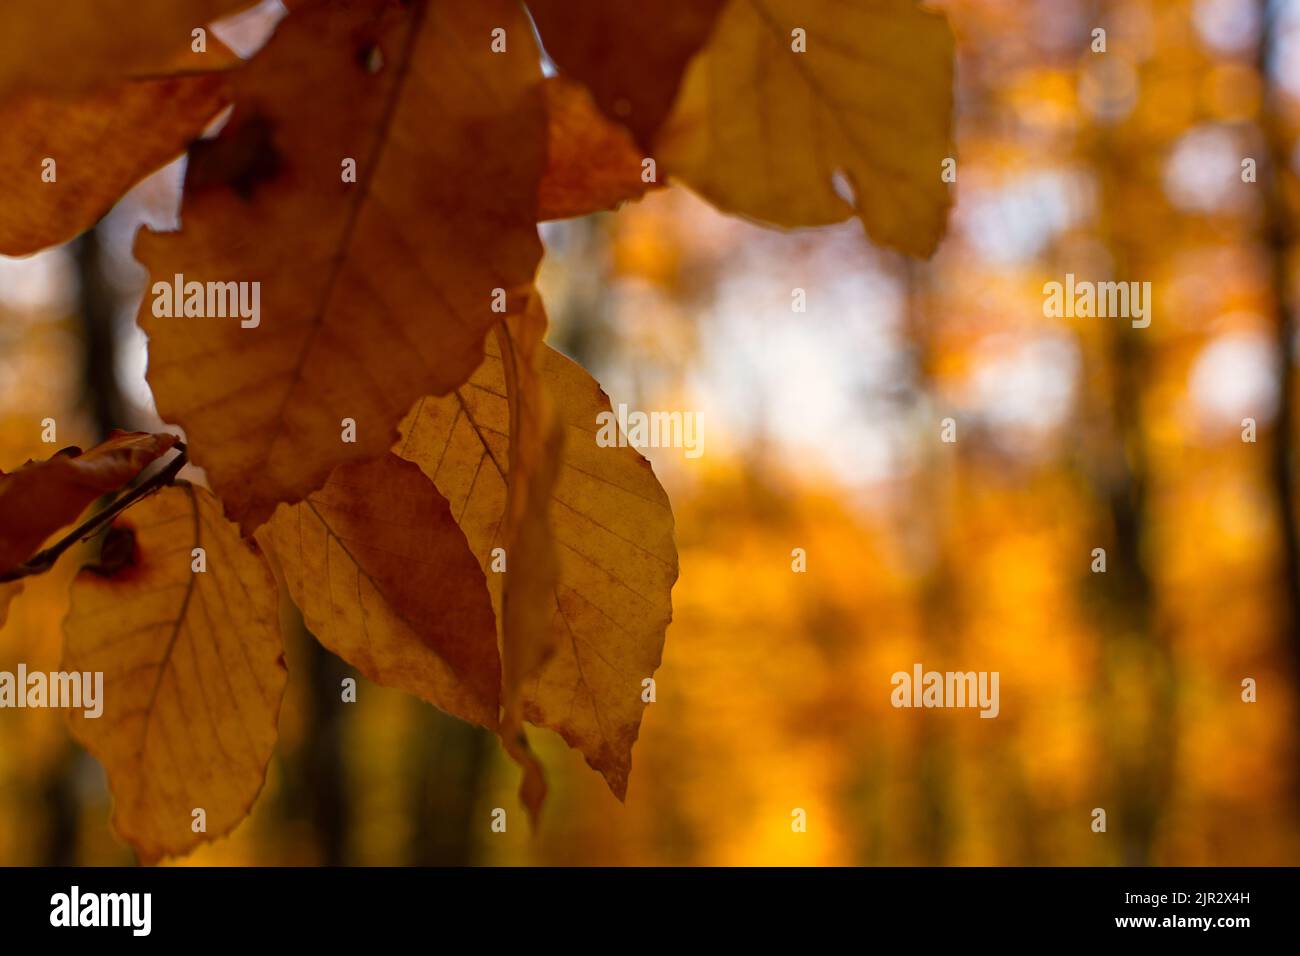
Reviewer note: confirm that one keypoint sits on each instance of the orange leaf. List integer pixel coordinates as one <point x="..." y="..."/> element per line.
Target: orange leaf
<point x="630" y="57"/>
<point x="617" y="562"/>
<point x="8" y="591"/>
<point x="102" y="143"/>
<point x="382" y="575"/>
<point x="592" y="163"/>
<point x="193" y="671"/>
<point x="527" y="596"/>
<point x="43" y="496"/>
<point x="374" y="292"/>
<point x="72" y="45"/>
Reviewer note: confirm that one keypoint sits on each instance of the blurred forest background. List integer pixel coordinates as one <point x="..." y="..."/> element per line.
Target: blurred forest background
<point x="1119" y="690"/>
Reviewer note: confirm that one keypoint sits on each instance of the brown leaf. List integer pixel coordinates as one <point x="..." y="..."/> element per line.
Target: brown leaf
<point x="592" y="163"/>
<point x="43" y="496"/>
<point x="630" y="57"/>
<point x="71" y="45"/>
<point x="761" y="130"/>
<point x="384" y="579"/>
<point x="372" y="293"/>
<point x="614" y="530"/>
<point x="8" y="591"/>
<point x="532" y="572"/>
<point x="102" y="142"/>
<point x="193" y="672"/>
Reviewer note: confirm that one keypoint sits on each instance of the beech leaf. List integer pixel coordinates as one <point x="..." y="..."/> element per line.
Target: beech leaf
<point x="193" y="671"/>
<point x="613" y="529"/>
<point x="629" y="55"/>
<point x="592" y="163"/>
<point x="69" y="45"/>
<point x="374" y="292"/>
<point x="765" y="131"/>
<point x="384" y="579"/>
<point x="531" y="576"/>
<point x="102" y="144"/>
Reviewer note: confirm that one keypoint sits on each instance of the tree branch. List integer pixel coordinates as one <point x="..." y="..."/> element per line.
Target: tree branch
<point x="42" y="561"/>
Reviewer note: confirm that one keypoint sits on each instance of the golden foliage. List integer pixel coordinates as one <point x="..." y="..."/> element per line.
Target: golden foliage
<point x="617" y="561"/>
<point x="193" y="671"/>
<point x="382" y="576"/>
<point x="762" y="130"/>
<point x="376" y="292"/>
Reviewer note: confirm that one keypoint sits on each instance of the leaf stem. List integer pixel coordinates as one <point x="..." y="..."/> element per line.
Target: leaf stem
<point x="42" y="561"/>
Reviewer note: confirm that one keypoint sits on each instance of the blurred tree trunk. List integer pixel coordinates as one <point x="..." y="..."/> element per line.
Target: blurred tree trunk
<point x="1279" y="236"/>
<point x="1137" y="725"/>
<point x="453" y="759"/>
<point x="939" y="589"/>
<point x="315" y="778"/>
<point x="101" y="400"/>
<point x="100" y="304"/>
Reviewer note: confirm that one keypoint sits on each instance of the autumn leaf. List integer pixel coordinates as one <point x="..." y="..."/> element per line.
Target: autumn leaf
<point x="102" y="143"/>
<point x="613" y="530"/>
<point x="532" y="572"/>
<point x="383" y="577"/>
<point x="43" y="496"/>
<point x="193" y="671"/>
<point x="592" y="163"/>
<point x="631" y="57"/>
<point x="764" y="131"/>
<point x="374" y="292"/>
<point x="8" y="591"/>
<point x="73" y="44"/>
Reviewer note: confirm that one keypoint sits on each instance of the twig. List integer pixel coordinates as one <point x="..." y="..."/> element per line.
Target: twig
<point x="42" y="561"/>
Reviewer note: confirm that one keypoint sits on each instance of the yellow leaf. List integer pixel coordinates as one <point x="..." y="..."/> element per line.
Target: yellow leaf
<point x="613" y="529"/>
<point x="381" y="573"/>
<point x="193" y="672"/>
<point x="8" y="592"/>
<point x="371" y="293"/>
<point x="762" y="130"/>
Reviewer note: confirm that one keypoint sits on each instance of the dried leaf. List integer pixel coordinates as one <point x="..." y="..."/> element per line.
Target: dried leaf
<point x="102" y="143"/>
<point x="631" y="64"/>
<point x="382" y="575"/>
<point x="43" y="496"/>
<point x="71" y="45"/>
<point x="762" y="130"/>
<point x="592" y="163"/>
<point x="614" y="530"/>
<point x="372" y="293"/>
<point x="193" y="672"/>
<point x="532" y="572"/>
<point x="8" y="591"/>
